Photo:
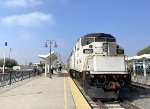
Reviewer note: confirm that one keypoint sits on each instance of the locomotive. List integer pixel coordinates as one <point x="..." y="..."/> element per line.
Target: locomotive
<point x="98" y="63"/>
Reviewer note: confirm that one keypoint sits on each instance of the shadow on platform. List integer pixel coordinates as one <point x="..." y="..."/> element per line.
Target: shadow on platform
<point x="63" y="75"/>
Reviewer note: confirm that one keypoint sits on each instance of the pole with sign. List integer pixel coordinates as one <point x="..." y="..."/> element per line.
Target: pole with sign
<point x="4" y="57"/>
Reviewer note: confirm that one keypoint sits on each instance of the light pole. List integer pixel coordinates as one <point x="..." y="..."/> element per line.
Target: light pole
<point x="9" y="52"/>
<point x="50" y="47"/>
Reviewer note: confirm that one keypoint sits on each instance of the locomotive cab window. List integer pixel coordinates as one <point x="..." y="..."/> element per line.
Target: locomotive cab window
<point x="86" y="41"/>
<point x="110" y="39"/>
<point x="77" y="46"/>
<point x="99" y="39"/>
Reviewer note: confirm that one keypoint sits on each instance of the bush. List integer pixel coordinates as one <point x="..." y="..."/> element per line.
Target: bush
<point x="8" y="62"/>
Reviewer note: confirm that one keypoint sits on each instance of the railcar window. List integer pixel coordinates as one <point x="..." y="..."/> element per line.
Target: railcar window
<point x="99" y="39"/>
<point x="110" y="39"/>
<point x="86" y="41"/>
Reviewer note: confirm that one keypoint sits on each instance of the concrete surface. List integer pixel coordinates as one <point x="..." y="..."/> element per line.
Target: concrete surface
<point x="39" y="93"/>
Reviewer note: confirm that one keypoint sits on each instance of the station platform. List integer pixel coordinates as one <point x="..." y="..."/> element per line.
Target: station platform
<point x="41" y="92"/>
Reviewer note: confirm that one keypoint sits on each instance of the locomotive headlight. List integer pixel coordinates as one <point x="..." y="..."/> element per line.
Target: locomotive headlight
<point x="120" y="51"/>
<point x="117" y="46"/>
<point x="105" y="45"/>
<point x="122" y="82"/>
<point x="117" y="76"/>
<point x="92" y="76"/>
<point x="125" y="76"/>
<point x="90" y="46"/>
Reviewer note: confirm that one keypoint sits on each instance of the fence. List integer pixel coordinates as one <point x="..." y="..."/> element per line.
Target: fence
<point x="140" y="78"/>
<point x="15" y="76"/>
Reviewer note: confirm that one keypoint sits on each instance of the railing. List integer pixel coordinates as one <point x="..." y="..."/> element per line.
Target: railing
<point x="15" y="76"/>
<point x="140" y="78"/>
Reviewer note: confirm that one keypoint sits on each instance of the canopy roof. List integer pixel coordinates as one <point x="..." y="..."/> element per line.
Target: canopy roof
<point x="47" y="56"/>
<point x="144" y="56"/>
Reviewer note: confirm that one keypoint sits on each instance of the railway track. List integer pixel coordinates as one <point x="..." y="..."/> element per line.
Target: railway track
<point x="140" y="85"/>
<point x="123" y="104"/>
<point x="117" y="105"/>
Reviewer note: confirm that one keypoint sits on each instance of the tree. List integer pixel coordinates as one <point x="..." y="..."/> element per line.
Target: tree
<point x="146" y="50"/>
<point x="30" y="63"/>
<point x="41" y="65"/>
<point x="8" y="62"/>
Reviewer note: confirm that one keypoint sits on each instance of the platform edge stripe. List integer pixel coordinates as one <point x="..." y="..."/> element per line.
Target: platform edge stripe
<point x="79" y="100"/>
<point x="65" y="95"/>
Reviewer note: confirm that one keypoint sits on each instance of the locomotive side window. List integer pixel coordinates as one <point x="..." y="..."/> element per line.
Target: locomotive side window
<point x="99" y="39"/>
<point x="77" y="46"/>
<point x="110" y="39"/>
<point x="86" y="41"/>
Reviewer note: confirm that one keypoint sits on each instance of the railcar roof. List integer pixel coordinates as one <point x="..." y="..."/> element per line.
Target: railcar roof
<point x="98" y="35"/>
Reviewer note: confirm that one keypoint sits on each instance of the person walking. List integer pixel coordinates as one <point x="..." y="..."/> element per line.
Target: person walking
<point x="60" y="68"/>
<point x="52" y="70"/>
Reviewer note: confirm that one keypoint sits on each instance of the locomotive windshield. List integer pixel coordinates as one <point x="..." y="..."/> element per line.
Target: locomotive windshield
<point x="105" y="39"/>
<point x="86" y="41"/>
<point x="99" y="39"/>
<point x="110" y="39"/>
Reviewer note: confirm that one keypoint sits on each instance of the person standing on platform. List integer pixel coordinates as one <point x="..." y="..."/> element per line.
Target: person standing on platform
<point x="52" y="70"/>
<point x="60" y="68"/>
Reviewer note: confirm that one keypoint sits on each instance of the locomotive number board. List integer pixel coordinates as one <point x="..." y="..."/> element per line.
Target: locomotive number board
<point x="88" y="51"/>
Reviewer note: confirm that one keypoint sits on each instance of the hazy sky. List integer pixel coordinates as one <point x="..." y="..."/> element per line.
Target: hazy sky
<point x="27" y="24"/>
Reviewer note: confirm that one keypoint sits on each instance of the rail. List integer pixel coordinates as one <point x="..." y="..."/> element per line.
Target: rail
<point x="121" y="104"/>
<point x="140" y="85"/>
<point x="101" y="105"/>
<point x="117" y="105"/>
<point x="15" y="76"/>
<point x="128" y="105"/>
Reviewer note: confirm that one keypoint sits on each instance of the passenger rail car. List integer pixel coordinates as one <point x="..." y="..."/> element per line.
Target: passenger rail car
<point x="98" y="63"/>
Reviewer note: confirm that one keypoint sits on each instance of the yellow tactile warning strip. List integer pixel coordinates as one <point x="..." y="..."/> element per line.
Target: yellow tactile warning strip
<point x="79" y="100"/>
<point x="65" y="95"/>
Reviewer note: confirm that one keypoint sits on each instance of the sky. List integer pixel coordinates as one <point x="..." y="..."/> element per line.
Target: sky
<point x="26" y="24"/>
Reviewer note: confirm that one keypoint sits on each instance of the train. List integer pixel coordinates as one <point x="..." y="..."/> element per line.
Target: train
<point x="97" y="62"/>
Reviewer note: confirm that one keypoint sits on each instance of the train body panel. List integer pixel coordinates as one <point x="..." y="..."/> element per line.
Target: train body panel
<point x="98" y="62"/>
<point x="109" y="64"/>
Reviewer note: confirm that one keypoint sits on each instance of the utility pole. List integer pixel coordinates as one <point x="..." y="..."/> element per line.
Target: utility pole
<point x="4" y="57"/>
<point x="26" y="62"/>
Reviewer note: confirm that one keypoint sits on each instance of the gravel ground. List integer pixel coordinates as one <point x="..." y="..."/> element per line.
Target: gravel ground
<point x="141" y="98"/>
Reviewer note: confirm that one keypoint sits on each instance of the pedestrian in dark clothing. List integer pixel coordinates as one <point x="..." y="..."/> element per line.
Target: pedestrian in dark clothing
<point x="52" y="71"/>
<point x="35" y="71"/>
<point x="60" y="68"/>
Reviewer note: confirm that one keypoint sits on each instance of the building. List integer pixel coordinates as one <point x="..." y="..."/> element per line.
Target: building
<point x="139" y="64"/>
<point x="22" y="67"/>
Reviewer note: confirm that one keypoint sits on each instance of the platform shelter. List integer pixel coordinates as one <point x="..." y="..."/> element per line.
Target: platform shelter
<point x="46" y="58"/>
<point x="139" y="64"/>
